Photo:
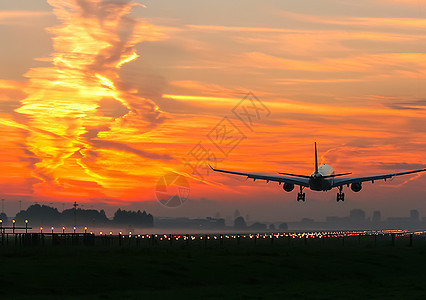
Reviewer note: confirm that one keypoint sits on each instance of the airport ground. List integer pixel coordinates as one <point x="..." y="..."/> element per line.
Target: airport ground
<point x="283" y="269"/>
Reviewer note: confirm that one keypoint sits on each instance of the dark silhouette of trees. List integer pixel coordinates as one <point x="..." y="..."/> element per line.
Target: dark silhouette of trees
<point x="258" y="226"/>
<point x="283" y="226"/>
<point x="3" y="217"/>
<point x="141" y="219"/>
<point x="39" y="215"/>
<point x="240" y="223"/>
<point x="85" y="217"/>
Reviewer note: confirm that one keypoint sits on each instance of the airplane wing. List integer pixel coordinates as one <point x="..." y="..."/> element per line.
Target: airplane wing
<point x="345" y="181"/>
<point x="279" y="179"/>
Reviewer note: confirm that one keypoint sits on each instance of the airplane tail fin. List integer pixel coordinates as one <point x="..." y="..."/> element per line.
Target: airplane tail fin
<point x="316" y="158"/>
<point x="316" y="169"/>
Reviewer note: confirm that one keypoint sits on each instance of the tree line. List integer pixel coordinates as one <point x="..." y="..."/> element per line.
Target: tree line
<point x="39" y="215"/>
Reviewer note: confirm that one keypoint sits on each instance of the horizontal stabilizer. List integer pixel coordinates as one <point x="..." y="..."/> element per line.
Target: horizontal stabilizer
<point x="336" y="175"/>
<point x="305" y="176"/>
<point x="296" y="175"/>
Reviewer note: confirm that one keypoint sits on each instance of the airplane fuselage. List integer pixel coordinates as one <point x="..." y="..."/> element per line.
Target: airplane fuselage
<point x="318" y="183"/>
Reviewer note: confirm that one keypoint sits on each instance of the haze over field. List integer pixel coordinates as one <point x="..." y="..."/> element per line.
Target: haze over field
<point x="99" y="99"/>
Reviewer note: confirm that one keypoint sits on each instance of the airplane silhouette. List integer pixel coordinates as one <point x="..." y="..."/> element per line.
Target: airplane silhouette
<point x="322" y="179"/>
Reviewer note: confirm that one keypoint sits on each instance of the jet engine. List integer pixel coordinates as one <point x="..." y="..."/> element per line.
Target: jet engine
<point x="288" y="187"/>
<point x="356" y="187"/>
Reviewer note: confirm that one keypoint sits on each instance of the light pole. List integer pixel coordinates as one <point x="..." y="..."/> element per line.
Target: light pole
<point x="41" y="229"/>
<point x="26" y="226"/>
<point x="52" y="229"/>
<point x="13" y="226"/>
<point x="63" y="229"/>
<point x="75" y="212"/>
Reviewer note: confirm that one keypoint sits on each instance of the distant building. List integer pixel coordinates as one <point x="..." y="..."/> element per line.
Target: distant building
<point x="357" y="215"/>
<point x="414" y="215"/>
<point x="333" y="219"/>
<point x="377" y="217"/>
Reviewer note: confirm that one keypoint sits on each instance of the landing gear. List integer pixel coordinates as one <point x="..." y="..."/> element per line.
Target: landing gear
<point x="301" y="195"/>
<point x="340" y="195"/>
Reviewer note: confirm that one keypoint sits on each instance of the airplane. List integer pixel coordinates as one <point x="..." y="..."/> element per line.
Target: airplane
<point x="322" y="179"/>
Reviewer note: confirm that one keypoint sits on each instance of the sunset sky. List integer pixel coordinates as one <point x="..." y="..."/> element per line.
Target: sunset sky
<point x="100" y="99"/>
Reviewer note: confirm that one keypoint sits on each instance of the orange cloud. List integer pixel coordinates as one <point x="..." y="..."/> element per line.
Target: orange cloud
<point x="411" y="64"/>
<point x="20" y="16"/>
<point x="207" y="88"/>
<point x="286" y="105"/>
<point x="9" y="84"/>
<point x="64" y="102"/>
<point x="358" y="21"/>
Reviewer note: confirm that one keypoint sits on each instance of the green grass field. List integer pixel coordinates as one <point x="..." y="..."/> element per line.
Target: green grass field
<point x="357" y="269"/>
